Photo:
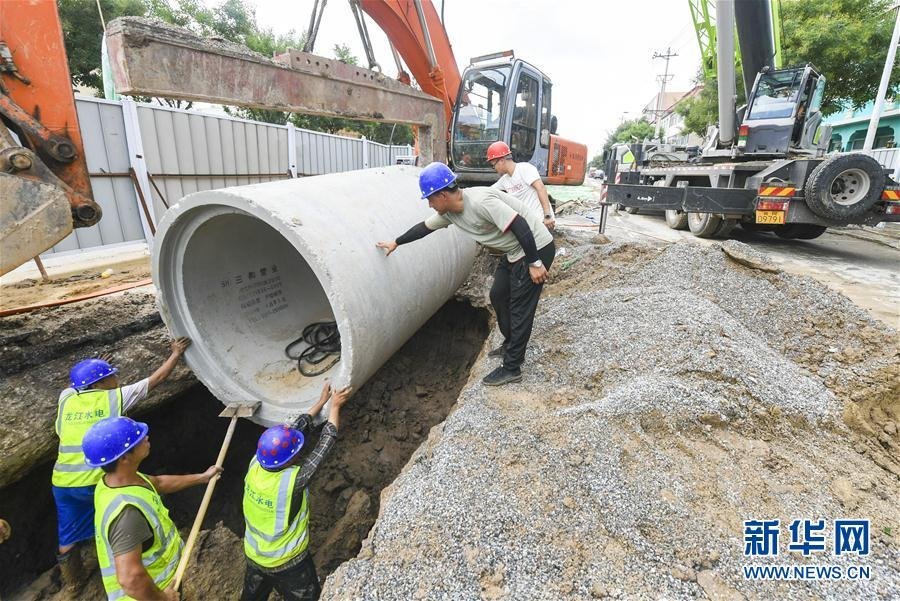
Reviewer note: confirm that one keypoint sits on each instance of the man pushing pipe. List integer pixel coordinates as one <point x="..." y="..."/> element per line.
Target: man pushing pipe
<point x="497" y="220"/>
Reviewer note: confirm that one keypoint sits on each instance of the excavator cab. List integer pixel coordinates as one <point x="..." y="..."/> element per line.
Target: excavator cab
<point x="510" y="100"/>
<point x="783" y="112"/>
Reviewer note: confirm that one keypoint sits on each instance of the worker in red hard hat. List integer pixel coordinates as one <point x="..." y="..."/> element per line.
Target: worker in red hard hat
<point x="522" y="180"/>
<point x="95" y="394"/>
<point x="138" y="545"/>
<point x="276" y="505"/>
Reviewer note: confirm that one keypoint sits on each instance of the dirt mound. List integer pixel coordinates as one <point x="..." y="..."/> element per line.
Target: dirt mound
<point x="669" y="396"/>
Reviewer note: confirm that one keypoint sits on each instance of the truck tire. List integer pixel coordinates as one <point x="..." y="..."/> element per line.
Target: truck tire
<point x="704" y="225"/>
<point x="677" y="220"/>
<point x="844" y="187"/>
<point x="725" y="228"/>
<point x="632" y="210"/>
<point x="800" y="231"/>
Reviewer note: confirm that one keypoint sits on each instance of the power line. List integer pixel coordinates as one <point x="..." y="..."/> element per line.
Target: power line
<point x="662" y="88"/>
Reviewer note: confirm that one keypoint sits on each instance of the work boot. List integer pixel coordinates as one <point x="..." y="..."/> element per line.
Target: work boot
<point x="72" y="571"/>
<point x="499" y="351"/>
<point x="501" y="376"/>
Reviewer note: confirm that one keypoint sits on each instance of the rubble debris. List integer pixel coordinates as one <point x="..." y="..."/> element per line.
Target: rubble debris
<point x="698" y="393"/>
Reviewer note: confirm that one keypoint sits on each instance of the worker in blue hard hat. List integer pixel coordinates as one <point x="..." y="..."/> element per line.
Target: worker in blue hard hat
<point x="138" y="545"/>
<point x="500" y="221"/>
<point x="95" y="393"/>
<point x="276" y="505"/>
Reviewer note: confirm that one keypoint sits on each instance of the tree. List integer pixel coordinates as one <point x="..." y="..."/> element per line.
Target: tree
<point x="847" y="40"/>
<point x="596" y="162"/>
<point x="83" y="32"/>
<point x="702" y="110"/>
<point x="630" y="131"/>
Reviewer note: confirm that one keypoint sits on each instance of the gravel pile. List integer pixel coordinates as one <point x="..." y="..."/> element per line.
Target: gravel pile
<point x="668" y="397"/>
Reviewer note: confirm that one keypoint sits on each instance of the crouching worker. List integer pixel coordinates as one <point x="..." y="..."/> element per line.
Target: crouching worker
<point x="276" y="506"/>
<point x="138" y="546"/>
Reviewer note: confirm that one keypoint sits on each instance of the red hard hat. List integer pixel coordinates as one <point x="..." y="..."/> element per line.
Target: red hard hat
<point x="498" y="150"/>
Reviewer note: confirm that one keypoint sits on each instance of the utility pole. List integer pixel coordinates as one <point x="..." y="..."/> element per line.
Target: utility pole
<point x="882" y="88"/>
<point x="662" y="89"/>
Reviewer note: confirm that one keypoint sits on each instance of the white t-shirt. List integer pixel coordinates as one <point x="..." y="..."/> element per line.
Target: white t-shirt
<point x="131" y="394"/>
<point x="519" y="185"/>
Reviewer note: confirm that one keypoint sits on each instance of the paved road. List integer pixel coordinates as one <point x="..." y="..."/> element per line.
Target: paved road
<point x="862" y="264"/>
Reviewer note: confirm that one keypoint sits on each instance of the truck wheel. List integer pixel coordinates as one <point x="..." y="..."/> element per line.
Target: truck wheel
<point x="677" y="220"/>
<point x="844" y="187"/>
<point x="632" y="210"/>
<point x="800" y="231"/>
<point x="725" y="228"/>
<point x="704" y="225"/>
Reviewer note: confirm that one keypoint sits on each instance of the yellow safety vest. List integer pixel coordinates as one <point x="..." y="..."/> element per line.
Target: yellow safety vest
<point x="161" y="559"/>
<point x="269" y="540"/>
<point x="76" y="414"/>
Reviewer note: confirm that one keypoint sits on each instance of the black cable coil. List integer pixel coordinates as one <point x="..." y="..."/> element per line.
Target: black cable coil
<point x="324" y="341"/>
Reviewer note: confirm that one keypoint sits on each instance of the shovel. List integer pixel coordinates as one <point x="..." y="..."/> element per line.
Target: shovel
<point x="234" y="411"/>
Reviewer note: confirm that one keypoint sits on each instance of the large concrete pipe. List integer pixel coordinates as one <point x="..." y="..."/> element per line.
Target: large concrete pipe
<point x="243" y="270"/>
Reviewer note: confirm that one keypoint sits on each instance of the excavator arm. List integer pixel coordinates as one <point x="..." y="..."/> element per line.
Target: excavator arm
<point x="45" y="189"/>
<point x="416" y="32"/>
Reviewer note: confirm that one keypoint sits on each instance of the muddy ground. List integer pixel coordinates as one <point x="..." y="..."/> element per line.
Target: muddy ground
<point x="32" y="291"/>
<point x="380" y="428"/>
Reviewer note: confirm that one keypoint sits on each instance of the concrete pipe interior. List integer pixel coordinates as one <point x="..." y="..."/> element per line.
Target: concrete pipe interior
<point x="264" y="292"/>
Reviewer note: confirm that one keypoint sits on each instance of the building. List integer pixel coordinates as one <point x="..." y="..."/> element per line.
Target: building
<point x="672" y="123"/>
<point x="849" y="127"/>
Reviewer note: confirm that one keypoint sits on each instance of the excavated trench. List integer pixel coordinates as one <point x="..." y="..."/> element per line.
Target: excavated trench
<point x="381" y="427"/>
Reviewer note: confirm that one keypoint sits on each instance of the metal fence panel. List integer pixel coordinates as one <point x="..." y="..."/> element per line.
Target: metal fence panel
<point x="319" y="153"/>
<point x="889" y="157"/>
<point x="187" y="151"/>
<point x="103" y="132"/>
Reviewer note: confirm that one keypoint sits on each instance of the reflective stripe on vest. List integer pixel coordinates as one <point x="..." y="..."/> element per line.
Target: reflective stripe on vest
<point x="269" y="540"/>
<point x="76" y="414"/>
<point x="161" y="559"/>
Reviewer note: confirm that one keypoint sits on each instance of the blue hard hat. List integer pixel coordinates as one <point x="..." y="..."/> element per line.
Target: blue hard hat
<point x="89" y="371"/>
<point x="278" y="445"/>
<point x="434" y="178"/>
<point x="110" y="438"/>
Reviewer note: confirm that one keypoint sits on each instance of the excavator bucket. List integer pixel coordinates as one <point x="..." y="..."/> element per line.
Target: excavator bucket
<point x="33" y="217"/>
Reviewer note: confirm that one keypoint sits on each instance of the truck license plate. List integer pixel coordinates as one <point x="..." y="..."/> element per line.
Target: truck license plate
<point x="770" y="217"/>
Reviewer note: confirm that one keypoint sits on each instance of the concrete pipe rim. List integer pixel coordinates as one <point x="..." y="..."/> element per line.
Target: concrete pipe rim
<point x="175" y="232"/>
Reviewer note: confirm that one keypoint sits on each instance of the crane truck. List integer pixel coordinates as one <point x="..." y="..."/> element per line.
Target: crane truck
<point x="764" y="167"/>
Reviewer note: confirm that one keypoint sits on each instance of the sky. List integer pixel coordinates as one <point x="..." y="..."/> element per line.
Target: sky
<point x="599" y="54"/>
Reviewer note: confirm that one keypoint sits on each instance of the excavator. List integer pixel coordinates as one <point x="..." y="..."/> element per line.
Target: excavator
<point x="45" y="188"/>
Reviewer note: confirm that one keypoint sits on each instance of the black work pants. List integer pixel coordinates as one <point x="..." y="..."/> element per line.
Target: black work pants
<point x="515" y="298"/>
<point x="296" y="583"/>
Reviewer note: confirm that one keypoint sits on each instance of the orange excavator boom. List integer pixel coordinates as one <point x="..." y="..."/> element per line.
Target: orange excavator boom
<point x="432" y="62"/>
<point x="46" y="189"/>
